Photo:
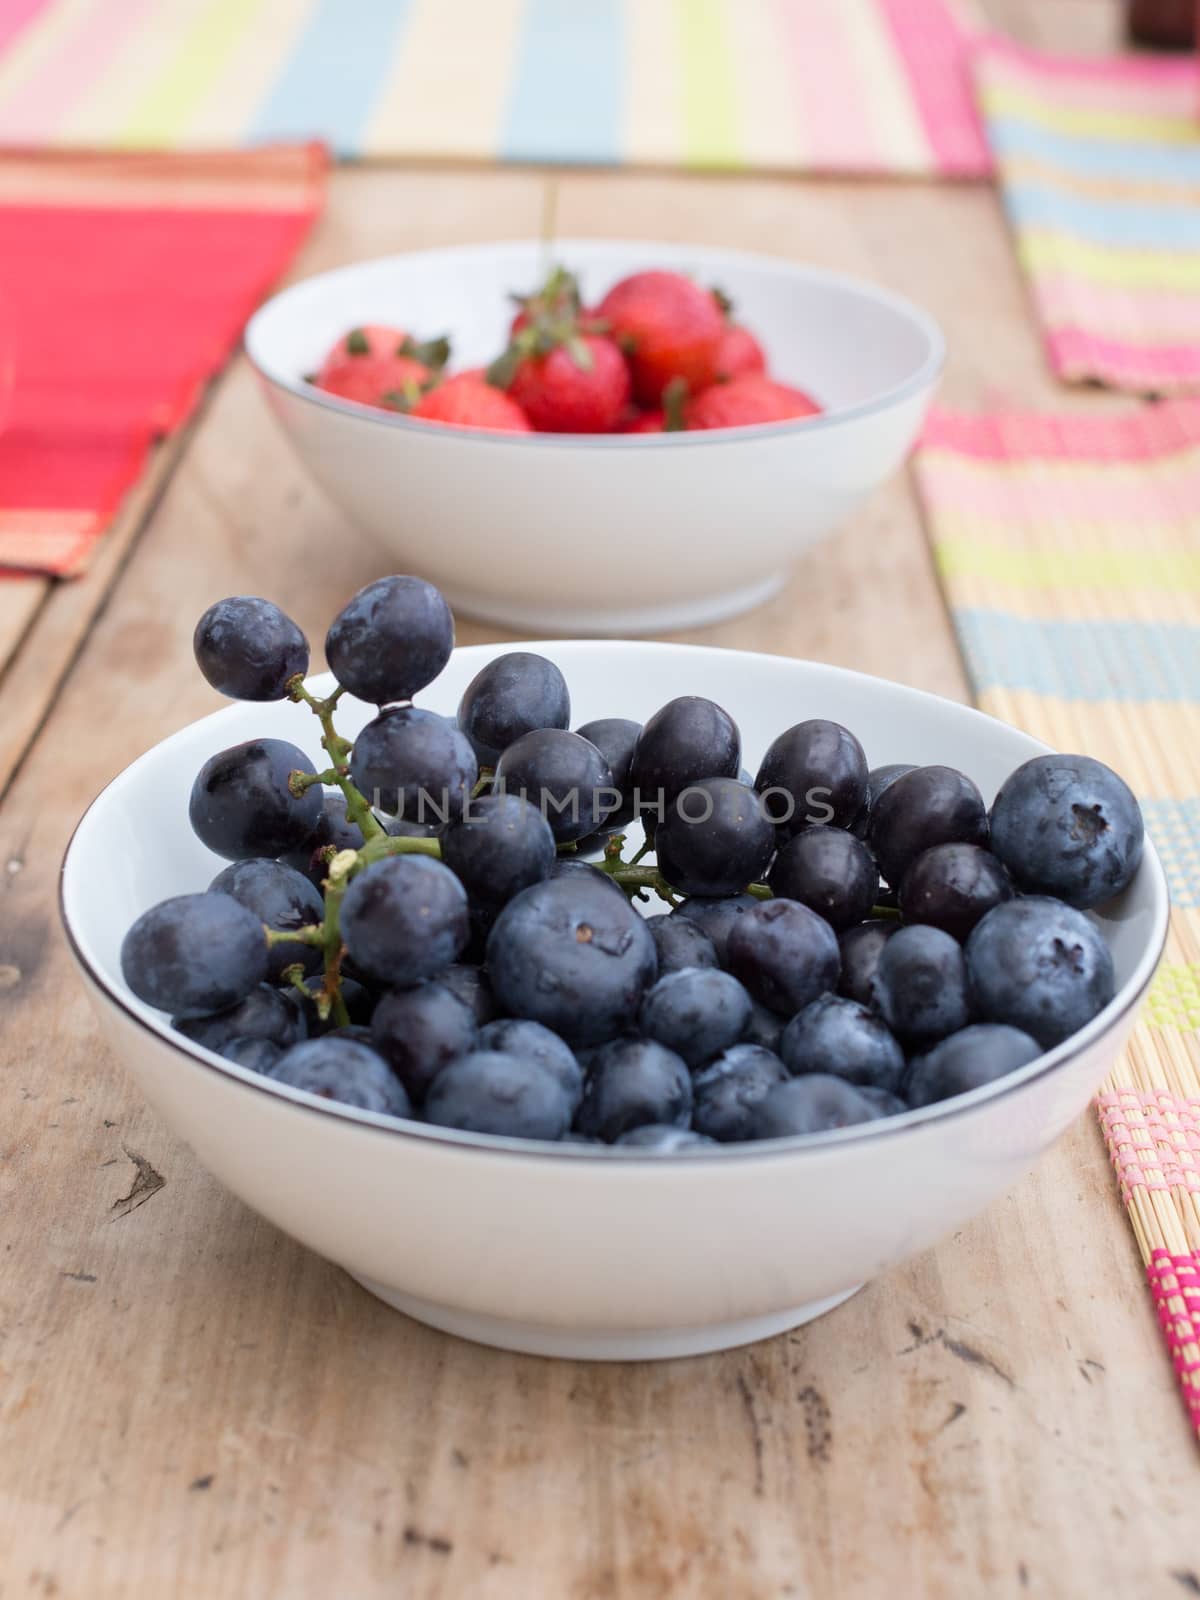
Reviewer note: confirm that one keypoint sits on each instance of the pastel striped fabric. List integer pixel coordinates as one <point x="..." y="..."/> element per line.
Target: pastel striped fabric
<point x="846" y="85"/>
<point x="1100" y="166"/>
<point x="1069" y="549"/>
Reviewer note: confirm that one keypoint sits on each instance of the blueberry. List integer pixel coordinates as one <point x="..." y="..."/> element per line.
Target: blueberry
<point x="511" y="696"/>
<point x="249" y="649"/>
<point x="344" y="1070"/>
<point x="764" y="1027"/>
<point x="714" y="839"/>
<point x="814" y="772"/>
<point x="665" y="1140"/>
<point x="241" y="805"/>
<point x="195" y="954"/>
<point x="390" y="640"/>
<point x="681" y="943"/>
<point x="419" y="1031"/>
<point x="257" y="1055"/>
<point x="785" y="954"/>
<point x="501" y="846"/>
<point x="1068" y="826"/>
<point x="530" y="1041"/>
<point x="952" y="885"/>
<point x="263" y="1014"/>
<point x="487" y="1092"/>
<point x="829" y="871"/>
<point x="878" y="779"/>
<point x="282" y="898"/>
<point x="928" y="806"/>
<point x="563" y="776"/>
<point x="696" y="1013"/>
<point x="630" y="1082"/>
<point x="615" y="738"/>
<point x="729" y="1088"/>
<point x="472" y="986"/>
<point x="404" y="919"/>
<point x="414" y="765"/>
<point x="860" y="948"/>
<point x="920" y="985"/>
<point x="967" y="1060"/>
<point x="842" y="1039"/>
<point x="688" y="740"/>
<point x="717" y="916"/>
<point x="812" y="1104"/>
<point x="1041" y="966"/>
<point x="573" y="954"/>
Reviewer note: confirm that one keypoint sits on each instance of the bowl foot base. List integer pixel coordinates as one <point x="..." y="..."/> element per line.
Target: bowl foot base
<point x="563" y="620"/>
<point x="601" y="1344"/>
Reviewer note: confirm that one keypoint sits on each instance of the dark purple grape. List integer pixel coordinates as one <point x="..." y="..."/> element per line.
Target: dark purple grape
<point x="815" y="772"/>
<point x="860" y="949"/>
<point x="1041" y="966"/>
<point x="241" y="805"/>
<point x="471" y="984"/>
<point x="530" y="1041"/>
<point x="282" y="898"/>
<point x="487" y="1092"/>
<point x="248" y="649"/>
<point x="358" y="1000"/>
<point x="1068" y="826"/>
<point x="573" y="954"/>
<point x="717" y="916"/>
<point x="680" y="943"/>
<point x="920" y="986"/>
<point x="967" y="1060"/>
<point x="513" y="695"/>
<point x="501" y="846"/>
<point x="928" y="806"/>
<point x="263" y="1014"/>
<point x="390" y="640"/>
<point x="404" y="919"/>
<point x="842" y="1039"/>
<point x="952" y="885"/>
<point x="256" y="1055"/>
<point x="663" y="1140"/>
<point x="195" y="954"/>
<point x="345" y="1070"/>
<point x="715" y="838"/>
<point x="419" y="1031"/>
<point x="414" y="765"/>
<point x="764" y="1027"/>
<point x="334" y="832"/>
<point x="812" y="1104"/>
<point x="785" y="954"/>
<point x="829" y="871"/>
<point x="688" y="740"/>
<point x="696" y="1013"/>
<point x="631" y="1082"/>
<point x="726" y="1092"/>
<point x="562" y="776"/>
<point x="576" y="871"/>
<point x="878" y="779"/>
<point x="884" y="1102"/>
<point x="615" y="738"/>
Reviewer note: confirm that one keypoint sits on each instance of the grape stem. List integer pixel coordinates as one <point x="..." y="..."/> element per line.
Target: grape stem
<point x="357" y="808"/>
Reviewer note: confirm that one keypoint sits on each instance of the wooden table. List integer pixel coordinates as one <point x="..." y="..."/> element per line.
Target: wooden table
<point x="193" y="1405"/>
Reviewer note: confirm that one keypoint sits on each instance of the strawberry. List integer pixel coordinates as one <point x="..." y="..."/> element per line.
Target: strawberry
<point x="668" y="418"/>
<point x="468" y="401"/>
<point x="556" y="301"/>
<point x="373" y="379"/>
<point x="579" y="386"/>
<point x="739" y="353"/>
<point x="372" y="339"/>
<point x="746" y="400"/>
<point x="668" y="327"/>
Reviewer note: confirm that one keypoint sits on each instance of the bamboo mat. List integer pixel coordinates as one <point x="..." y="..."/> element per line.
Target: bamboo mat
<point x="1069" y="550"/>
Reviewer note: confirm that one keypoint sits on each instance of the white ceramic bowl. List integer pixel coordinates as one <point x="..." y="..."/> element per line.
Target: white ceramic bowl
<point x="584" y="1251"/>
<point x="602" y="534"/>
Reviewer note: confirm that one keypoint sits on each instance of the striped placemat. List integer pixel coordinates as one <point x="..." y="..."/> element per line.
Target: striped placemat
<point x="1100" y="166"/>
<point x="1069" y="548"/>
<point x="856" y="85"/>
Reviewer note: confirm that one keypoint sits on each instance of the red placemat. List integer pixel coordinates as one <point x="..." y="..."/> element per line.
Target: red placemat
<point x="124" y="285"/>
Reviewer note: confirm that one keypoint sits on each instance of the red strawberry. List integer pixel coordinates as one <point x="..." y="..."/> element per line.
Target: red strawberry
<point x="747" y="400"/>
<point x="372" y="379"/>
<point x="469" y="401"/>
<point x="668" y="418"/>
<point x="556" y="301"/>
<point x="372" y="339"/>
<point x="645" y="422"/>
<point x="580" y="386"/>
<point x="739" y="353"/>
<point x="668" y="327"/>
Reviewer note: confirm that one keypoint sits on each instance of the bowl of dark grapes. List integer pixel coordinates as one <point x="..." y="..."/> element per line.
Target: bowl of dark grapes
<point x="605" y="999"/>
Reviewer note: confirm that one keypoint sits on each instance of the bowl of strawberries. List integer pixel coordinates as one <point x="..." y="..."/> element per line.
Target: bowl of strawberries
<point x="600" y="437"/>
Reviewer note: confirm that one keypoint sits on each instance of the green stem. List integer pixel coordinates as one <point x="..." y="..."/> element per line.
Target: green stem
<point x="357" y="808"/>
<point x="310" y="933"/>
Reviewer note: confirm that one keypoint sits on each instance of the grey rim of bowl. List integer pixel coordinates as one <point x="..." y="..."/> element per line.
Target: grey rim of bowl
<point x="747" y="1150"/>
<point x="926" y="375"/>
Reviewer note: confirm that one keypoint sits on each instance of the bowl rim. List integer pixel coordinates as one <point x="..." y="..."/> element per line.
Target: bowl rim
<point x="925" y="376"/>
<point x="1128" y="996"/>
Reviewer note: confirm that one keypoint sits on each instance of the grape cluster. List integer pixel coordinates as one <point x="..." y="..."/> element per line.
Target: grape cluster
<point x="441" y="923"/>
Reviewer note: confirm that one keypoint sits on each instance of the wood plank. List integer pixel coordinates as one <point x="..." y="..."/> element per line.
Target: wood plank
<point x="21" y="597"/>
